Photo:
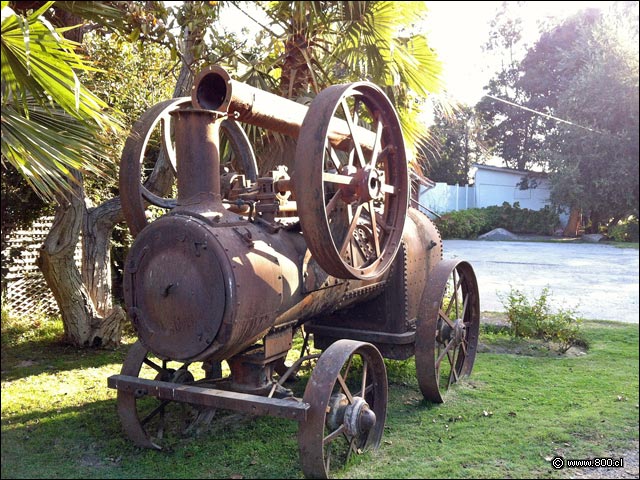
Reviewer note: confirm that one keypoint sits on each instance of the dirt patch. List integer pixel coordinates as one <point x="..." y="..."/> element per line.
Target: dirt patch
<point x="630" y="469"/>
<point x="527" y="348"/>
<point x="494" y="318"/>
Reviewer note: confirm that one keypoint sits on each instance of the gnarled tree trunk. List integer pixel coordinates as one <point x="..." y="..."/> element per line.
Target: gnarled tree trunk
<point x="96" y="253"/>
<point x="85" y="300"/>
<point x="83" y="324"/>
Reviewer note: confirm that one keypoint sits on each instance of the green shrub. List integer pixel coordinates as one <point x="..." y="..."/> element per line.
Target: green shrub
<point x="534" y="319"/>
<point x="625" y="231"/>
<point x="476" y="221"/>
<point x="463" y="224"/>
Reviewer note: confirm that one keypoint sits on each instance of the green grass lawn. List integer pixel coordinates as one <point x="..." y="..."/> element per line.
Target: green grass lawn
<point x="522" y="405"/>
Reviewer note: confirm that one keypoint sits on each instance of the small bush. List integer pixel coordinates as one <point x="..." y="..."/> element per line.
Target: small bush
<point x="476" y="221"/>
<point x="625" y="231"/>
<point x="534" y="319"/>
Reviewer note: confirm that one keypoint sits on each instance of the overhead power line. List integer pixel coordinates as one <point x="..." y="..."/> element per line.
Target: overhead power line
<point x="544" y="114"/>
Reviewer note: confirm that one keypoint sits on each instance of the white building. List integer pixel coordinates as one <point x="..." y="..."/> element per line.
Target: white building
<point x="489" y="186"/>
<point x="496" y="185"/>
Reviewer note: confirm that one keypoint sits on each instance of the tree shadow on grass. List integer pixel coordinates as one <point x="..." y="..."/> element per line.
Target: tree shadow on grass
<point x="87" y="441"/>
<point x="45" y="356"/>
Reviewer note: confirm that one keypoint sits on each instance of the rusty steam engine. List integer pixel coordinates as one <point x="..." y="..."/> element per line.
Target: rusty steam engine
<point x="245" y="261"/>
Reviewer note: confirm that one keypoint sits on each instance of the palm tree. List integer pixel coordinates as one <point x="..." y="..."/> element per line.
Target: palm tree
<point x="50" y="122"/>
<point x="343" y="41"/>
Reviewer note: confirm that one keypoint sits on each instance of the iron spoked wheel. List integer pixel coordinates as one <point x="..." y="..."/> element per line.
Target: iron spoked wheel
<point x="351" y="180"/>
<point x="448" y="326"/>
<point x="347" y="392"/>
<point x="143" y="178"/>
<point x="146" y="419"/>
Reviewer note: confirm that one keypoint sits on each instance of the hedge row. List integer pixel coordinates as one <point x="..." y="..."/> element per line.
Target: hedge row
<point x="476" y="221"/>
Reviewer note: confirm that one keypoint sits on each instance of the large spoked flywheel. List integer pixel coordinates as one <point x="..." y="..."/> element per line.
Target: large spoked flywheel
<point x="447" y="328"/>
<point x="351" y="180"/>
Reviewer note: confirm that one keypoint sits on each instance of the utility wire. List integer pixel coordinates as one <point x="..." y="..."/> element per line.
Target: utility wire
<point x="255" y="21"/>
<point x="545" y="115"/>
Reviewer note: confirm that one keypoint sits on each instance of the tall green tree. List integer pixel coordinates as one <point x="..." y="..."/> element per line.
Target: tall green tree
<point x="513" y="134"/>
<point x="455" y="144"/>
<point x="594" y="160"/>
<point x="581" y="77"/>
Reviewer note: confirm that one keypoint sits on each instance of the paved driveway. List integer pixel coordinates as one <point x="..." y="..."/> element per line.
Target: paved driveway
<point x="600" y="281"/>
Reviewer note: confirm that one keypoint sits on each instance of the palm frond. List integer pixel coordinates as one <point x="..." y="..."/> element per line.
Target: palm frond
<point x="51" y="123"/>
<point x="46" y="146"/>
<point x="108" y="14"/>
<point x="38" y="60"/>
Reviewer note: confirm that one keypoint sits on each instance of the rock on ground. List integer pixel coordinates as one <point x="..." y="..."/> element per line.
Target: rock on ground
<point x="592" y="237"/>
<point x="499" y="234"/>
